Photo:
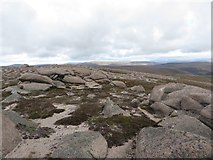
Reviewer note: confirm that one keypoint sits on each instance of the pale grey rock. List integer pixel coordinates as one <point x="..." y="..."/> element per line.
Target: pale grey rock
<point x="206" y="115"/>
<point x="202" y="98"/>
<point x="169" y="143"/>
<point x="59" y="84"/>
<point x="11" y="137"/>
<point x="73" y="80"/>
<point x="98" y="75"/>
<point x="161" y="109"/>
<point x="35" y="86"/>
<point x="119" y="84"/>
<point x="110" y="109"/>
<point x="54" y="71"/>
<point x="190" y="104"/>
<point x="15" y="97"/>
<point x="82" y="71"/>
<point x="16" y="89"/>
<point x="32" y="77"/>
<point x="138" y="89"/>
<point x="87" y="144"/>
<point x="188" y="124"/>
<point x="93" y="85"/>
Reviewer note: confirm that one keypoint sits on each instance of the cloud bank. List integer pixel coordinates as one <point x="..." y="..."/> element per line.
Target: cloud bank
<point x="61" y="31"/>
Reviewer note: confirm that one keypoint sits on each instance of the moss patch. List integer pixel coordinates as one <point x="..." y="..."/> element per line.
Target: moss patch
<point x="82" y="114"/>
<point x="36" y="108"/>
<point x="119" y="129"/>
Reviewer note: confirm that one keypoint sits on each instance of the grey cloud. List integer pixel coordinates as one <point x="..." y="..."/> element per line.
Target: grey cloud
<point x="108" y="30"/>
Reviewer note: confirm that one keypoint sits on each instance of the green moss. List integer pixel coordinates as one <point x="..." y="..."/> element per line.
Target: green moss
<point x="119" y="129"/>
<point x="85" y="111"/>
<point x="36" y="108"/>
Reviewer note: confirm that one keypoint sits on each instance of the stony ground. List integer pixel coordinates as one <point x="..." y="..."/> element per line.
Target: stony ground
<point x="56" y="106"/>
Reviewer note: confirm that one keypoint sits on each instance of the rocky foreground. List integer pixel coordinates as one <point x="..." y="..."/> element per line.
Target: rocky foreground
<point x="70" y="111"/>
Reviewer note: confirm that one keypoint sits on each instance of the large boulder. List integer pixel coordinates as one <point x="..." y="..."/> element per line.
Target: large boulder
<point x="188" y="124"/>
<point x="110" y="109"/>
<point x="88" y="144"/>
<point x="169" y="143"/>
<point x="161" y="109"/>
<point x="206" y="116"/>
<point x="190" y="104"/>
<point x="35" y="86"/>
<point x="73" y="80"/>
<point x="10" y="135"/>
<point x="181" y="97"/>
<point x="16" y="89"/>
<point x="119" y="84"/>
<point x="32" y="77"/>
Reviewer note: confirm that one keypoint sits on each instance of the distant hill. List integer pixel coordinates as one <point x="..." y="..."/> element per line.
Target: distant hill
<point x="193" y="68"/>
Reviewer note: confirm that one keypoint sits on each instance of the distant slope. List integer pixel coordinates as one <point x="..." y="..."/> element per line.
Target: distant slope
<point x="190" y="68"/>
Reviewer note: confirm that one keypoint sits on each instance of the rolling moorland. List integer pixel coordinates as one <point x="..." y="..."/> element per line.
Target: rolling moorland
<point x="107" y="111"/>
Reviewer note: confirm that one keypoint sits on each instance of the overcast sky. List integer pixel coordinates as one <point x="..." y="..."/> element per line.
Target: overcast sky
<point x="61" y="31"/>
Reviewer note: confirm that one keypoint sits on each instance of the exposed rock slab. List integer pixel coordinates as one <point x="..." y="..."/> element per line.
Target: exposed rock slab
<point x="169" y="143"/>
<point x="35" y="86"/>
<point x="10" y="135"/>
<point x="88" y="144"/>
<point x="161" y="109"/>
<point x="119" y="84"/>
<point x="73" y="79"/>
<point x="32" y="77"/>
<point x="138" y="89"/>
<point x="187" y="124"/>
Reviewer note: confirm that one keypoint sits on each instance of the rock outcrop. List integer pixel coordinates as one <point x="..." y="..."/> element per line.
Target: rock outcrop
<point x="88" y="144"/>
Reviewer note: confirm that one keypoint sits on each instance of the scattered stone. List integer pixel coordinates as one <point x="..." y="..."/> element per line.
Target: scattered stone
<point x="135" y="103"/>
<point x="119" y="84"/>
<point x="138" y="89"/>
<point x="98" y="75"/>
<point x="59" y="84"/>
<point x="35" y="86"/>
<point x="15" y="97"/>
<point x="93" y="85"/>
<point x="16" y="89"/>
<point x="73" y="79"/>
<point x="88" y="144"/>
<point x="110" y="109"/>
<point x="91" y="96"/>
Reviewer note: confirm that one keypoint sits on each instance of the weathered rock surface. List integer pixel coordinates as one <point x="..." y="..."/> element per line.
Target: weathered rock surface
<point x="169" y="143"/>
<point x="15" y="97"/>
<point x="54" y="71"/>
<point x="206" y="116"/>
<point x="73" y="79"/>
<point x="88" y="144"/>
<point x="93" y="85"/>
<point x="32" y="77"/>
<point x="181" y="97"/>
<point x="98" y="75"/>
<point x="138" y="89"/>
<point x="187" y="124"/>
<point x="35" y="86"/>
<point x="190" y="104"/>
<point x="110" y="109"/>
<point x="15" y="89"/>
<point x="161" y="109"/>
<point x="10" y="135"/>
<point x="119" y="84"/>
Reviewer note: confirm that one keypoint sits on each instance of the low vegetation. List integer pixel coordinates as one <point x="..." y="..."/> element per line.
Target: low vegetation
<point x="119" y="129"/>
<point x="36" y="108"/>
